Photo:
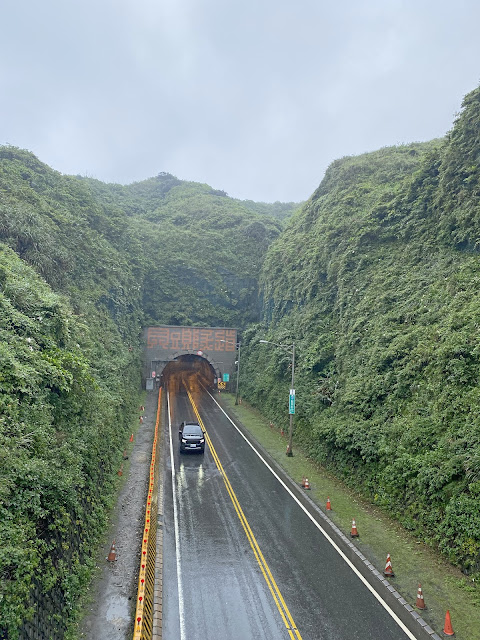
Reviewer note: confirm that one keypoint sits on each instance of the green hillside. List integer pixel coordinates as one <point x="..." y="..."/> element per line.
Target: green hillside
<point x="202" y="250"/>
<point x="83" y="267"/>
<point x="377" y="281"/>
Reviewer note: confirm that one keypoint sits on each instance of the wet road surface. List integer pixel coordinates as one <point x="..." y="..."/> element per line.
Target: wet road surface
<point x="242" y="560"/>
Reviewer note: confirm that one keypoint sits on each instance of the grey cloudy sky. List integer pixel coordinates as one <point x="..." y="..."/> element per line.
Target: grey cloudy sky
<point x="256" y="97"/>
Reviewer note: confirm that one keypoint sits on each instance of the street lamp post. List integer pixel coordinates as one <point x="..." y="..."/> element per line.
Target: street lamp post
<point x="291" y="408"/>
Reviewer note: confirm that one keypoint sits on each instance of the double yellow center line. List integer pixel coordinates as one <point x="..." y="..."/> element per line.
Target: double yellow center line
<point x="272" y="585"/>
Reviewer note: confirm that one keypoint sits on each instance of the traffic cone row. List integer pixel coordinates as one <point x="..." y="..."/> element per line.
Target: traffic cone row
<point x="388" y="572"/>
<point x="420" y="602"/>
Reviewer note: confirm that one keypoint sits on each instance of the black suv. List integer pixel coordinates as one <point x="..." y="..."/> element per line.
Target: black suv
<point x="191" y="437"/>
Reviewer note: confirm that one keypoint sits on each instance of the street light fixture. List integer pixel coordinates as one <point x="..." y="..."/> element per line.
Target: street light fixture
<point x="238" y="345"/>
<point x="291" y="405"/>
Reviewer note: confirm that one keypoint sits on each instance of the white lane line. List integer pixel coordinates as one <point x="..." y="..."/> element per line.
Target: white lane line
<point x="322" y="530"/>
<point x="181" y="605"/>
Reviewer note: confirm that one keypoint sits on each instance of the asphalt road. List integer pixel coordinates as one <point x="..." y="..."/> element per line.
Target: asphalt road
<point x="242" y="559"/>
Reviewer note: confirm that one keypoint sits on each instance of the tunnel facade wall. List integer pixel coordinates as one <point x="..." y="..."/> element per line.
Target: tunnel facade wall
<point x="163" y="344"/>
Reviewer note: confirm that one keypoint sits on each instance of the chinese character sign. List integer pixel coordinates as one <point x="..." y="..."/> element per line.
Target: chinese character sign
<point x="192" y="339"/>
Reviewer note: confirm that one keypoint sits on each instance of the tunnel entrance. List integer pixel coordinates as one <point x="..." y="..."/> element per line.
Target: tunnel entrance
<point x="190" y="369"/>
<point x="209" y="353"/>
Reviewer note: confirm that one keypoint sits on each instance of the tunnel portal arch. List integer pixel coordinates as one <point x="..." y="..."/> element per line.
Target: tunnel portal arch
<point x="159" y="366"/>
<point x="166" y="344"/>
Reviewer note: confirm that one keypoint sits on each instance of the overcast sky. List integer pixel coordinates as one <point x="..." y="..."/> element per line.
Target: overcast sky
<point x="255" y="97"/>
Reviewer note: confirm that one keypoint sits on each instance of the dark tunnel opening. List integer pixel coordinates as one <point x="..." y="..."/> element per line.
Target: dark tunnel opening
<point x="188" y="369"/>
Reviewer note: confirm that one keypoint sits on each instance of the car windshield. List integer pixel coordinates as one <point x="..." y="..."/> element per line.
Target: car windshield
<point x="192" y="430"/>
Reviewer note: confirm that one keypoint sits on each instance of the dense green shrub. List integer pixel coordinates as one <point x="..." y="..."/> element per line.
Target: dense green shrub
<point x="61" y="433"/>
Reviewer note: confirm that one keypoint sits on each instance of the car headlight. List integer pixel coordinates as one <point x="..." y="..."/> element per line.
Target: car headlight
<point x="202" y="440"/>
<point x="183" y="440"/>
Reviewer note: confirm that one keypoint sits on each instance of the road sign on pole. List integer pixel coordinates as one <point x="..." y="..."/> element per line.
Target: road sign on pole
<point x="291" y="402"/>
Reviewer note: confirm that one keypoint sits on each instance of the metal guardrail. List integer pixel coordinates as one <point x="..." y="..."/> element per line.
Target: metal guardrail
<point x="143" y="628"/>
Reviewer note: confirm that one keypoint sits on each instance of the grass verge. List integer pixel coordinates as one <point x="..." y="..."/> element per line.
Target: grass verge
<point x="444" y="586"/>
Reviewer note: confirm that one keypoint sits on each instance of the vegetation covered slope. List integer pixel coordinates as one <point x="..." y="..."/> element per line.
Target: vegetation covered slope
<point x="203" y="251"/>
<point x="377" y="281"/>
<point x="83" y="267"/>
<point x="69" y="377"/>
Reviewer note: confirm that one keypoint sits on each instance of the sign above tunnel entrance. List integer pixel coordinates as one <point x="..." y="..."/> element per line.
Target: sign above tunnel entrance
<point x="164" y="344"/>
<point x="192" y="339"/>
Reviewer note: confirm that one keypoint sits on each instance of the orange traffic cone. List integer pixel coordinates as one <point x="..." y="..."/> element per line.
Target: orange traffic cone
<point x="142" y="408"/>
<point x="354" y="533"/>
<point x="447" y="629"/>
<point x="282" y="432"/>
<point x="131" y="438"/>
<point x="141" y="419"/>
<point x="329" y="505"/>
<point x="303" y="481"/>
<point x="120" y="471"/>
<point x="388" y="571"/>
<point x="307" y="484"/>
<point x="420" y="603"/>
<point x="112" y="556"/>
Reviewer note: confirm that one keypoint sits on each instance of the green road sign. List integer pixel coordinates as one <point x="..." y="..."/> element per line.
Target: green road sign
<point x="291" y="401"/>
<point x="226" y="377"/>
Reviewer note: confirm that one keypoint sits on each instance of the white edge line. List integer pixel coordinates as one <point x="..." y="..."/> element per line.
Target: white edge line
<point x="181" y="606"/>
<point x="322" y="530"/>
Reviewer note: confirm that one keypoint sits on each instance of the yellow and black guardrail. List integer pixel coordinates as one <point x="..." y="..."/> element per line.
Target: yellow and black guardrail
<point x="146" y="579"/>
